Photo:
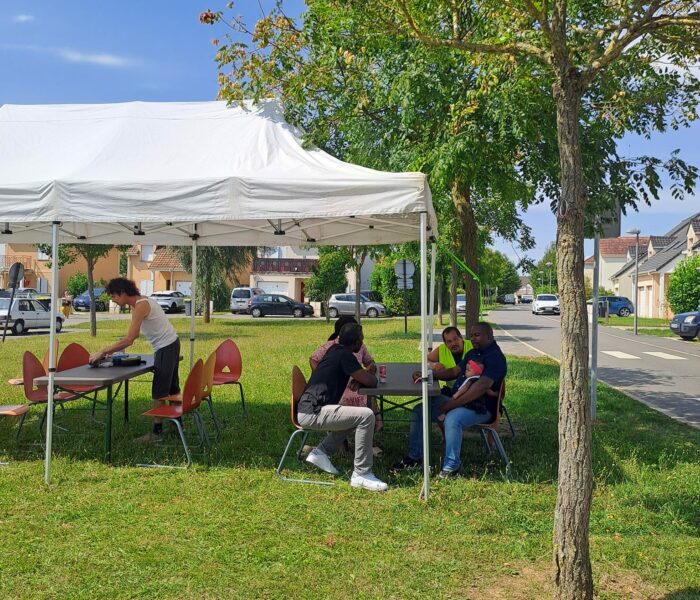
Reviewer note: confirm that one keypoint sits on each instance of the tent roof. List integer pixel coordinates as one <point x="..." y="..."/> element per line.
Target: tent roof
<point x="241" y="174"/>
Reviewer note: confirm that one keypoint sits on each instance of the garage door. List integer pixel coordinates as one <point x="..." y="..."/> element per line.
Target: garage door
<point x="273" y="287"/>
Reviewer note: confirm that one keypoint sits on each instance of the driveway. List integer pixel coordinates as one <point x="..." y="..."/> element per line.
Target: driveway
<point x="663" y="373"/>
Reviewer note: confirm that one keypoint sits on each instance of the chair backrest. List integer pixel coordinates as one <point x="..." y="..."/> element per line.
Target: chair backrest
<point x="228" y="356"/>
<point x="73" y="355"/>
<point x="191" y="393"/>
<point x="31" y="369"/>
<point x="45" y="362"/>
<point x="298" y="387"/>
<point x="208" y="376"/>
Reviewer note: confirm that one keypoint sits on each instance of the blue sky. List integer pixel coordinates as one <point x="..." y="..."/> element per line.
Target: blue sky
<point x="85" y="51"/>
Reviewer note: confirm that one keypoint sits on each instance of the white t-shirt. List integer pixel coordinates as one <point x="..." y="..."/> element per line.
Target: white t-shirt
<point x="156" y="327"/>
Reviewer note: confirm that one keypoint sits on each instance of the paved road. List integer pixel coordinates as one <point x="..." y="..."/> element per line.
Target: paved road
<point x="663" y="373"/>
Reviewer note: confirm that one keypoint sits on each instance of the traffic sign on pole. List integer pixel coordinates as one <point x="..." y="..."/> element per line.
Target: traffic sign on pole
<point x="404" y="268"/>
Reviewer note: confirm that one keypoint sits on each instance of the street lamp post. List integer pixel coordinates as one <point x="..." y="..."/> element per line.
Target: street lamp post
<point x="549" y="266"/>
<point x="635" y="232"/>
<point x="541" y="280"/>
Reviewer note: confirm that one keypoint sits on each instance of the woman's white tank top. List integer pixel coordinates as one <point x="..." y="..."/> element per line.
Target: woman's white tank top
<point x="156" y="327"/>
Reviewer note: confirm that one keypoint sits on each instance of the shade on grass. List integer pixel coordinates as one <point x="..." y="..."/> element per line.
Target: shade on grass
<point x="232" y="530"/>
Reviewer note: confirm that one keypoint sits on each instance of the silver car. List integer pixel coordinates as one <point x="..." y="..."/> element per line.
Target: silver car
<point x="170" y="301"/>
<point x="344" y="304"/>
<point x="27" y="314"/>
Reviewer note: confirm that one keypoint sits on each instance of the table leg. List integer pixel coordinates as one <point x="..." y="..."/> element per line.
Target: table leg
<point x="126" y="401"/>
<point x="108" y="427"/>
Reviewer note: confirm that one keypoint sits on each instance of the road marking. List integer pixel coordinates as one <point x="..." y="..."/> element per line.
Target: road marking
<point x="665" y="355"/>
<point x="526" y="344"/>
<point x="626" y="339"/>
<point x="622" y="355"/>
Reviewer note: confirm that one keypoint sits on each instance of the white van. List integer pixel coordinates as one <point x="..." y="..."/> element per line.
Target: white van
<point x="241" y="297"/>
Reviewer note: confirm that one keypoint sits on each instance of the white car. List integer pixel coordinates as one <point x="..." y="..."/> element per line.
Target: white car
<point x="27" y="314"/>
<point x="170" y="301"/>
<point x="545" y="303"/>
<point x="461" y="303"/>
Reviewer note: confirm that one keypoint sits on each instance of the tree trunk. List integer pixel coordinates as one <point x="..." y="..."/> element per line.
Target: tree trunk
<point x="453" y="295"/>
<point x="461" y="197"/>
<point x="359" y="261"/>
<point x="573" y="576"/>
<point x="440" y="283"/>
<point x="207" y="295"/>
<point x="91" y="286"/>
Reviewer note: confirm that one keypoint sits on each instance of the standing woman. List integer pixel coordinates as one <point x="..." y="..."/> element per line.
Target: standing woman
<point x="148" y="317"/>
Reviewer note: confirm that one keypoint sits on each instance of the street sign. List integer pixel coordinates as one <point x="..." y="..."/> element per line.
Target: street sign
<point x="404" y="284"/>
<point x="404" y="268"/>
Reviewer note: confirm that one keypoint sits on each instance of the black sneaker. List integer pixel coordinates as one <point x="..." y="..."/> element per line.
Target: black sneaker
<point x="445" y="474"/>
<point x="406" y="463"/>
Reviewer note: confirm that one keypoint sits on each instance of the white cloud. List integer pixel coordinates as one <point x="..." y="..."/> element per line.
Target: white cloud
<point x="22" y="18"/>
<point x="76" y="56"/>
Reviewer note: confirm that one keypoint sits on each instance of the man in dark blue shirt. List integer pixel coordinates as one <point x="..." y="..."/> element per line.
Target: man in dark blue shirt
<point x="463" y="407"/>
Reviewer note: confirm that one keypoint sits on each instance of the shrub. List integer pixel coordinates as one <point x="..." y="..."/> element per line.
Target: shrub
<point x="77" y="284"/>
<point x="683" y="292"/>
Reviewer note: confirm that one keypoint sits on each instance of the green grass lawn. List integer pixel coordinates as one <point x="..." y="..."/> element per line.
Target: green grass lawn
<point x="233" y="530"/>
<point x="615" y="321"/>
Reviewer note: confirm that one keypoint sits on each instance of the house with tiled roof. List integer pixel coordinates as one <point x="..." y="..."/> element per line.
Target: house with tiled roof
<point x="614" y="254"/>
<point x="656" y="264"/>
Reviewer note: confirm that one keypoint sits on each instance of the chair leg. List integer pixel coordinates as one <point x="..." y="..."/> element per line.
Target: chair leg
<point x="202" y="430"/>
<point x="178" y="425"/>
<point x="510" y="423"/>
<point x="19" y="427"/>
<point x="284" y="456"/>
<point x="303" y="443"/>
<point x="214" y="416"/>
<point x="240" y="385"/>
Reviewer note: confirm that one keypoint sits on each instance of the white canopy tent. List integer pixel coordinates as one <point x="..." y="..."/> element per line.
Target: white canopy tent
<point x="198" y="173"/>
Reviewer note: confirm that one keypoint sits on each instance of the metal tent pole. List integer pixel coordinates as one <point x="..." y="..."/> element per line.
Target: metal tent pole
<point x="594" y="327"/>
<point x="425" y="492"/>
<point x="193" y="292"/>
<point x="52" y="351"/>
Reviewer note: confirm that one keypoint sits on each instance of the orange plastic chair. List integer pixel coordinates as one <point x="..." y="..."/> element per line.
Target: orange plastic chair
<point x="229" y="366"/>
<point x="31" y="369"/>
<point x="75" y="355"/>
<point x="12" y="410"/>
<point x="45" y="363"/>
<point x="189" y="405"/>
<point x="298" y="387"/>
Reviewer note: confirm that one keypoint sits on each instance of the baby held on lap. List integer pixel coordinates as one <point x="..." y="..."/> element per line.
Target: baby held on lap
<point x="472" y="373"/>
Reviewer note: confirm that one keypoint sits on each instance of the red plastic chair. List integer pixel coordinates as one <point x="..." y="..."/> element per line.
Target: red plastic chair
<point x="45" y="363"/>
<point x="75" y="355"/>
<point x="229" y="366"/>
<point x="190" y="400"/>
<point x="208" y="387"/>
<point x="31" y="369"/>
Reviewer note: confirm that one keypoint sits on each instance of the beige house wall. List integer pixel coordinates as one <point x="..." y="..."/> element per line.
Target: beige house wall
<point x="105" y="269"/>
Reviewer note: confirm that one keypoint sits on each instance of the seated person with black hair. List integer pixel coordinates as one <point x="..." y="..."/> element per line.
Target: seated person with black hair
<point x="319" y="409"/>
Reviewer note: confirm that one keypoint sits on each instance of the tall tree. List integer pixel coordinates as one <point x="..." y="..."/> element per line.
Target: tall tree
<point x="385" y="103"/>
<point x="593" y="70"/>
<point x="329" y="276"/>
<point x="214" y="265"/>
<point x="498" y="271"/>
<point x="91" y="253"/>
<point x="544" y="271"/>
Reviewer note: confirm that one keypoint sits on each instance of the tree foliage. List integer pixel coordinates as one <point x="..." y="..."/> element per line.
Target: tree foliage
<point x="543" y="270"/>
<point x="216" y="265"/>
<point x="329" y="275"/>
<point x="498" y="271"/>
<point x="683" y="292"/>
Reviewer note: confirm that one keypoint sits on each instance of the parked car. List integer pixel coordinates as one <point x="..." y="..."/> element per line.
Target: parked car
<point x="277" y="304"/>
<point x="687" y="325"/>
<point x="461" y="302"/>
<point x="22" y="293"/>
<point x="344" y="304"/>
<point x="26" y="314"/>
<point x="241" y="298"/>
<point x="617" y="305"/>
<point x="545" y="303"/>
<point x="526" y="299"/>
<point x="82" y="302"/>
<point x="373" y="295"/>
<point x="170" y="301"/>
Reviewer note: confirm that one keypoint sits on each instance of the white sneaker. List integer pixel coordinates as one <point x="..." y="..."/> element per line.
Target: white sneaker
<point x="368" y="482"/>
<point x="321" y="460"/>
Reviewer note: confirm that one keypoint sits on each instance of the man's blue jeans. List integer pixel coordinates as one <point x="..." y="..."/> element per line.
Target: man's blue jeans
<point x="456" y="421"/>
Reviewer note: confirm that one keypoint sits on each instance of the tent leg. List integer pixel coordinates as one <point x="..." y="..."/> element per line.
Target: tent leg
<point x="431" y="318"/>
<point x="52" y="352"/>
<point x="425" y="492"/>
<point x="193" y="291"/>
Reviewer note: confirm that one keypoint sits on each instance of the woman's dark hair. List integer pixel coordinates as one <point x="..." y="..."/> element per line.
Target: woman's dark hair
<point x="122" y="285"/>
<point x="344" y="320"/>
<point x="350" y="334"/>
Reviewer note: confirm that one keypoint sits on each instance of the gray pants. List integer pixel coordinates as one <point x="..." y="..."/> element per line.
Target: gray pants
<point x="339" y="421"/>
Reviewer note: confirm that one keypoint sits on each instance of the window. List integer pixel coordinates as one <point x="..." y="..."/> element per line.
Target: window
<point x="147" y="253"/>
